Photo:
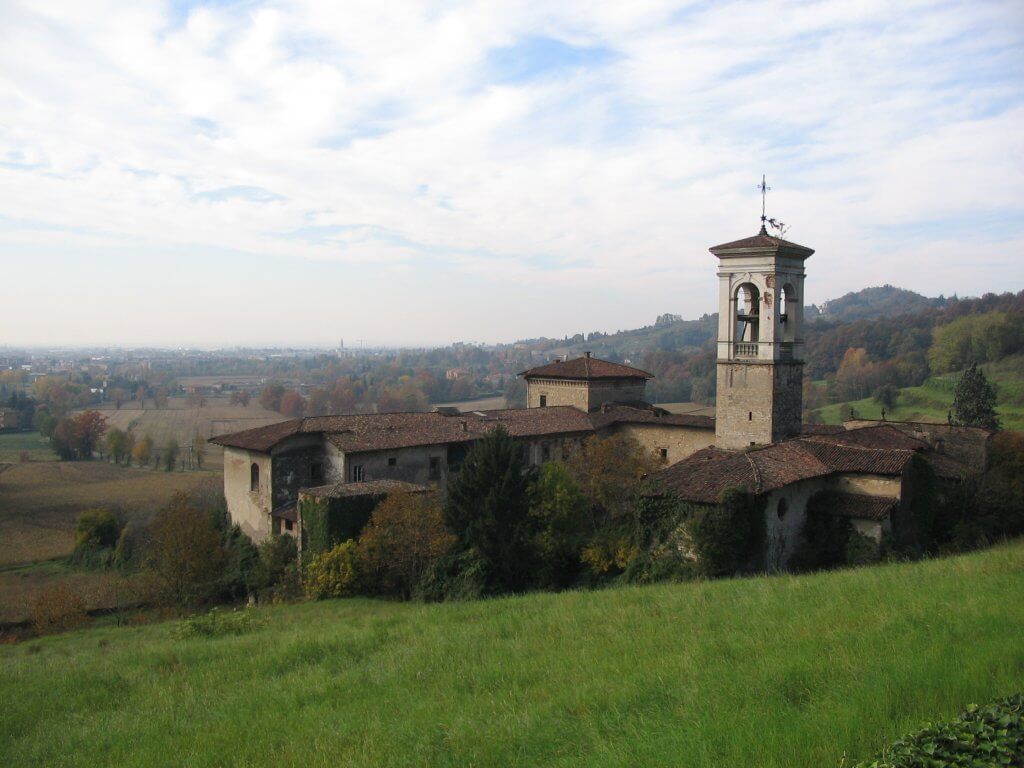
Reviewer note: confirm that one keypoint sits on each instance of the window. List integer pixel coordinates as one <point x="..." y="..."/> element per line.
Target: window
<point x="782" y="508"/>
<point x="357" y="473"/>
<point x="545" y="452"/>
<point x="392" y="461"/>
<point x="316" y="472"/>
<point x="543" y="401"/>
<point x="254" y="477"/>
<point x="663" y="452"/>
<point x="288" y="525"/>
<point x="435" y="468"/>
<point x="750" y="415"/>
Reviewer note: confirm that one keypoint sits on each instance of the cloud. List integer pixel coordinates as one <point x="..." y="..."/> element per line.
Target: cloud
<point x="511" y="151"/>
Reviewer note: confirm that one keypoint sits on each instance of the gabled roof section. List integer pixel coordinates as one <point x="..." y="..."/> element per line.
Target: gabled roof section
<point x="260" y="439"/>
<point x="705" y="475"/>
<point x="585" y="368"/>
<point x="761" y="244"/>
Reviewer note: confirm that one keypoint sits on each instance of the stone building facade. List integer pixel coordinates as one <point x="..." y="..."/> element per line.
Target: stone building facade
<point x="585" y="383"/>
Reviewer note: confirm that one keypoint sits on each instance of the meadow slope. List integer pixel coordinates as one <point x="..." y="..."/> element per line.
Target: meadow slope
<point x="781" y="671"/>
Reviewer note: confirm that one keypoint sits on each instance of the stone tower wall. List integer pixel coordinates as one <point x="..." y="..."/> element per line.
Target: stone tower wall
<point x="757" y="403"/>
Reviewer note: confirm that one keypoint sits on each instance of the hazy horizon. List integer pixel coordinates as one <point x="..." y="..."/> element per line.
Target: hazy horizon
<point x="253" y="174"/>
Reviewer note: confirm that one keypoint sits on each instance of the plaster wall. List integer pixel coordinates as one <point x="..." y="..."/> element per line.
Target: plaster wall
<point x="249" y="509"/>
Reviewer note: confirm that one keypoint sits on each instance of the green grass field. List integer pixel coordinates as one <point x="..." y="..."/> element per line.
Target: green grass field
<point x="14" y="444"/>
<point x="933" y="400"/>
<point x="782" y="671"/>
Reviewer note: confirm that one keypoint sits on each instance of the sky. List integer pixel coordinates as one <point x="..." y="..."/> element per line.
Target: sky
<point x="402" y="173"/>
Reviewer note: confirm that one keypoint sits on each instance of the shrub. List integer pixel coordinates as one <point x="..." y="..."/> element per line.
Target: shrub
<point x="460" y="575"/>
<point x="96" y="535"/>
<point x="862" y="550"/>
<point x="277" y="554"/>
<point x="219" y="623"/>
<point x="57" y="609"/>
<point x="332" y="573"/>
<point x="130" y="547"/>
<point x="560" y="514"/>
<point x="404" y="537"/>
<point x="725" y="535"/>
<point x="980" y="737"/>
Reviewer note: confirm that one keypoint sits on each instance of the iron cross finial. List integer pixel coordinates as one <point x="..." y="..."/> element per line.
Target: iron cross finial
<point x="763" y="186"/>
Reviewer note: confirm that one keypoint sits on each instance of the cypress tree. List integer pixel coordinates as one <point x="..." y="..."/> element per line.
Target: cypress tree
<point x="974" y="404"/>
<point x="488" y="510"/>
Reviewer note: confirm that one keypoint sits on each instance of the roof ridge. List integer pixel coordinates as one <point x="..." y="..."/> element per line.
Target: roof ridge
<point x="757" y="474"/>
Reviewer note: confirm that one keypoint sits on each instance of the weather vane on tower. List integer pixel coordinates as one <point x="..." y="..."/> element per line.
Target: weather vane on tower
<point x="779" y="226"/>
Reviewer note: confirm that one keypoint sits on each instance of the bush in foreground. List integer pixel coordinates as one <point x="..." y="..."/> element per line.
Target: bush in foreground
<point x="981" y="737"/>
<point x="332" y="573"/>
<point x="58" y="609"/>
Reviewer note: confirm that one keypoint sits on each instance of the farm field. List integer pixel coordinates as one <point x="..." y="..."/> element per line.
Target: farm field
<point x="39" y="504"/>
<point x="181" y="422"/>
<point x="793" y="671"/>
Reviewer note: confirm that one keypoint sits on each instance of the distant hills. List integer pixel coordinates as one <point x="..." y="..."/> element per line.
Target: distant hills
<point x="868" y="303"/>
<point x="671" y="332"/>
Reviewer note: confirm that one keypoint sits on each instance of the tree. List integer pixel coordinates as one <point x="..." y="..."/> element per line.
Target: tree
<point x="974" y="403"/>
<point x="488" y="510"/>
<point x="243" y="398"/>
<point x="140" y="395"/>
<point x="292" y="404"/>
<point x="90" y="426"/>
<point x="170" y="454"/>
<point x="343" y="397"/>
<point x="143" y="450"/>
<point x="319" y="402"/>
<point x="406" y="534"/>
<point x="562" y="523"/>
<point x="62" y="438"/>
<point x="186" y="556"/>
<point x="116" y="441"/>
<point x="117" y="396"/>
<point x="160" y="398"/>
<point x="270" y="397"/>
<point x="608" y="471"/>
<point x="198" y="446"/>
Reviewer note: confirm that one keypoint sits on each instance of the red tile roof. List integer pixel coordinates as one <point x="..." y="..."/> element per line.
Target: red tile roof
<point x="366" y="488"/>
<point x="761" y="242"/>
<point x="585" y="369"/>
<point x="858" y="505"/>
<point x="706" y="474"/>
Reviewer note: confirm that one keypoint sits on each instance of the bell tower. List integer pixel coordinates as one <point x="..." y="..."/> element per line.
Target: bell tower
<point x="760" y="340"/>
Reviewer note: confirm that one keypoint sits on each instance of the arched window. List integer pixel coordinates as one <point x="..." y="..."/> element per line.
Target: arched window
<point x="788" y="312"/>
<point x="747" y="303"/>
<point x="254" y="477"/>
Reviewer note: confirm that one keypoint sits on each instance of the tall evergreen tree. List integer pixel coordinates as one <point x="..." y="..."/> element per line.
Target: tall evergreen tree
<point x="974" y="404"/>
<point x="488" y="510"/>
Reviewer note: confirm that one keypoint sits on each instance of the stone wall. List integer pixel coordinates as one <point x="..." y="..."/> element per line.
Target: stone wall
<point x="757" y="403"/>
<point x="677" y="441"/>
<point x="584" y="395"/>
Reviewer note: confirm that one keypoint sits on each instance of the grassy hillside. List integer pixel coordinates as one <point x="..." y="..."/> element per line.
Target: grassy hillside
<point x="933" y="400"/>
<point x="783" y="671"/>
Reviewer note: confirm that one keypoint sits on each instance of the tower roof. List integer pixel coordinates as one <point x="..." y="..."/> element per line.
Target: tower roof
<point x="761" y="244"/>
<point x="585" y="368"/>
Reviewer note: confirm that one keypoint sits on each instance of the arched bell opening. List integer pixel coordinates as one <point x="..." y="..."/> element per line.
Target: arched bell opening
<point x="747" y="301"/>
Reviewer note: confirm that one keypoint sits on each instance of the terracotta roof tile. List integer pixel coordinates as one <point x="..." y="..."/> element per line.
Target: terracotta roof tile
<point x="367" y="488"/>
<point x="586" y="369"/>
<point x="857" y="505"/>
<point x="762" y="241"/>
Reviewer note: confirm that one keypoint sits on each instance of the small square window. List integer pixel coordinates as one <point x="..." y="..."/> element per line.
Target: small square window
<point x="543" y="401"/>
<point x="435" y="468"/>
<point x="663" y="452"/>
<point x="392" y="461"/>
<point x="288" y="525"/>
